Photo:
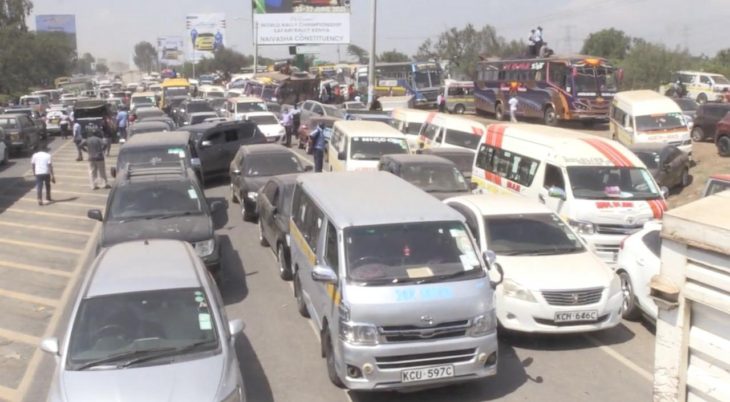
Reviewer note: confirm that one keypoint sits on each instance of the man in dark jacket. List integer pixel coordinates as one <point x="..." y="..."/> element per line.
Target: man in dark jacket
<point x="96" y="147"/>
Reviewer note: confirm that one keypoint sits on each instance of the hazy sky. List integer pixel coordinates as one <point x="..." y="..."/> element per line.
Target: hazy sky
<point x="110" y="29"/>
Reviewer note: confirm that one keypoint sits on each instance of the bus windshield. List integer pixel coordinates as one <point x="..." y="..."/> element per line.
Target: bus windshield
<point x="592" y="81"/>
<point x="426" y="79"/>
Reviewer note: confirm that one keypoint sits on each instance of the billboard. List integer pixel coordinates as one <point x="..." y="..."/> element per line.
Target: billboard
<point x="65" y="23"/>
<point x="302" y="22"/>
<point x="206" y="33"/>
<point x="171" y="50"/>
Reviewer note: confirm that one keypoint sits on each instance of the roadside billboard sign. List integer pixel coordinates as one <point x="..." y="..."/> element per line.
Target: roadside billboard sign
<point x="171" y="50"/>
<point x="206" y="34"/>
<point x="302" y="22"/>
<point x="64" y="23"/>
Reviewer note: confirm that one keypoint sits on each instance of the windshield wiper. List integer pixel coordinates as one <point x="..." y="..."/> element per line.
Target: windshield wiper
<point x="176" y="215"/>
<point x="121" y="356"/>
<point x="169" y="352"/>
<point x="444" y="277"/>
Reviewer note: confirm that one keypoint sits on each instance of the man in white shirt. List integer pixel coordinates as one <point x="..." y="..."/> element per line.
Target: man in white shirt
<point x="43" y="170"/>
<point x="513" y="108"/>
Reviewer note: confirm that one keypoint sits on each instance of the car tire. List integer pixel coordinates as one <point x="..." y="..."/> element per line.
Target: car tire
<point x="284" y="265"/>
<point x="234" y="199"/>
<point x="723" y="145"/>
<point x="698" y="134"/>
<point x="550" y="118"/>
<point x="686" y="179"/>
<point x="498" y="112"/>
<point x="262" y="239"/>
<point x="701" y="98"/>
<point x="246" y="209"/>
<point x="630" y="310"/>
<point x="459" y="109"/>
<point x="329" y="356"/>
<point x="301" y="306"/>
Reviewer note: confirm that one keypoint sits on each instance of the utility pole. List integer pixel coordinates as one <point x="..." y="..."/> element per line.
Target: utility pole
<point x="255" y="48"/>
<point x="371" y="64"/>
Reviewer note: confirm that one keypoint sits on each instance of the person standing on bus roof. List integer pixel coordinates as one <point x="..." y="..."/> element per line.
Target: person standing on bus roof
<point x="531" y="40"/>
<point x="513" y="101"/>
<point x="538" y="41"/>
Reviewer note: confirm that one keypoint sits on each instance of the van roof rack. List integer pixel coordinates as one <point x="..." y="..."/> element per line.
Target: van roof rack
<point x="150" y="170"/>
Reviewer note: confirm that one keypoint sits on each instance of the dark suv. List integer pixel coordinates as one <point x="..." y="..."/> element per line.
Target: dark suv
<point x="190" y="106"/>
<point x="706" y="119"/>
<point x="21" y="135"/>
<point x="161" y="202"/>
<point x="95" y="115"/>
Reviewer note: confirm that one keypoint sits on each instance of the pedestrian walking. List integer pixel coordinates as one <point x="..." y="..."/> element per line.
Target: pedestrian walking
<point x="78" y="139"/>
<point x="441" y="102"/>
<point x="318" y="142"/>
<point x="95" y="147"/>
<point x="513" y="101"/>
<point x="376" y="105"/>
<point x="287" y="122"/>
<point x="42" y="168"/>
<point x="122" y="122"/>
<point x="64" y="125"/>
<point x="296" y="121"/>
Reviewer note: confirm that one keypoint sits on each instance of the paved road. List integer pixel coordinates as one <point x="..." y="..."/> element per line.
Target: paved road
<point x="43" y="250"/>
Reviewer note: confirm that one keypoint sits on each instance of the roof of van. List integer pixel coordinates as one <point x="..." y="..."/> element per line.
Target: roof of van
<point x="373" y="198"/>
<point x="143" y="265"/>
<point x="366" y="128"/>
<point x="575" y="148"/>
<point x="646" y="102"/>
<point x="159" y="138"/>
<point x="502" y="204"/>
<point x="410" y="114"/>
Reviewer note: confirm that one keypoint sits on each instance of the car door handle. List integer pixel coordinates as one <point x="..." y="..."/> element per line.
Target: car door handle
<point x="541" y="198"/>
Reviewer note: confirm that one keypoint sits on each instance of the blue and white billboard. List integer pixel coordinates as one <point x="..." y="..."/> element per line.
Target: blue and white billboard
<point x="65" y="23"/>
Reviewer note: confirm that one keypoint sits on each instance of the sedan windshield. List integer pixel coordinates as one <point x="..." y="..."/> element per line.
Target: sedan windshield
<point x="412" y="252"/>
<point x="372" y="148"/>
<point x="145" y="201"/>
<point x="660" y="122"/>
<point x="533" y="234"/>
<point x="271" y="165"/>
<point x="244" y="107"/>
<point x="120" y="329"/>
<point x="610" y="182"/>
<point x="435" y="178"/>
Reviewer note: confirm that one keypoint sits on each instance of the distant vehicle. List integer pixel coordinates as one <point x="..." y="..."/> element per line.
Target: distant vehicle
<point x="638" y="262"/>
<point x="706" y="119"/>
<point x="409" y="122"/>
<point x="722" y="135"/>
<point x="21" y="135"/>
<point x="34" y="116"/>
<point x="54" y="117"/>
<point x="173" y="88"/>
<point x="700" y="86"/>
<point x="432" y="174"/>
<point x="143" y="113"/>
<point x="463" y="158"/>
<point x="159" y="148"/>
<point x="443" y="130"/>
<point x="421" y="80"/>
<point x="142" y="98"/>
<point x="38" y="103"/>
<point x="353" y="106"/>
<point x="716" y="183"/>
<point x="553" y="283"/>
<point x="359" y="145"/>
<point x="667" y="163"/>
<point x="147" y="314"/>
<point x="142" y="127"/>
<point x="459" y="96"/>
<point x="312" y="108"/>
<point x="94" y="116"/>
<point x="575" y="88"/>
<point x="191" y="106"/>
<point x="268" y="124"/>
<point x="199" y="117"/>
<point x="252" y="167"/>
<point x="159" y="119"/>
<point x="689" y="109"/>
<point x="238" y="106"/>
<point x="4" y="146"/>
<point x="54" y="95"/>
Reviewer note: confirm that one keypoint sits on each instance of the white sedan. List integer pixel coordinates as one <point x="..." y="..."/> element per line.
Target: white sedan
<point x="638" y="261"/>
<point x="552" y="282"/>
<point x="268" y="124"/>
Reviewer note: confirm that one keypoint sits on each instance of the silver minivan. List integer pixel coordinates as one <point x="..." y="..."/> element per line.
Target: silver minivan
<point x="392" y="281"/>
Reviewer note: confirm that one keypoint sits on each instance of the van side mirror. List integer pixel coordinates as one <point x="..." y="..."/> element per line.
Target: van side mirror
<point x="50" y="345"/>
<point x="490" y="257"/>
<point x="235" y="326"/>
<point x="557" y="192"/>
<point x="205" y="144"/>
<point x="665" y="191"/>
<point x="94" y="214"/>
<point x="324" y="274"/>
<point x="342" y="155"/>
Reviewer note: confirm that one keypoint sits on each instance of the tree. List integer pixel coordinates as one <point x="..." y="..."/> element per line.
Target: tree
<point x="393" y="56"/>
<point x="13" y="13"/>
<point x="84" y="65"/>
<point x="359" y="53"/>
<point x="609" y="43"/>
<point x="648" y="64"/>
<point x="102" y="68"/>
<point x="145" y="56"/>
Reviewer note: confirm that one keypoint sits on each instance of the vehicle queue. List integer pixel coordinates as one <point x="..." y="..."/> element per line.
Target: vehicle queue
<point x="403" y="296"/>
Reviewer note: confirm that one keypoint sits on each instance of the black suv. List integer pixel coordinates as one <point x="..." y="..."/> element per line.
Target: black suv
<point x="95" y="115"/>
<point x="706" y="118"/>
<point x="160" y="202"/>
<point x="191" y="106"/>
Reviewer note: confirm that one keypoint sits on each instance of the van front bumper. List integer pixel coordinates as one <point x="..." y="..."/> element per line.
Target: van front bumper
<point x="388" y="361"/>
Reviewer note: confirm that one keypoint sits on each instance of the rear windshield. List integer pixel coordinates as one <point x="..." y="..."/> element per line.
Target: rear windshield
<point x="243" y="107"/>
<point x="151" y="156"/>
<point x="372" y="148"/>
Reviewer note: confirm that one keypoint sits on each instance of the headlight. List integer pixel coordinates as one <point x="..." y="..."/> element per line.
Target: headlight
<point x="582" y="227"/>
<point x="204" y="248"/>
<point x="252" y="195"/>
<point x="234" y="396"/>
<point x="356" y="333"/>
<point x="615" y="286"/>
<point x="483" y="324"/>
<point x="513" y="289"/>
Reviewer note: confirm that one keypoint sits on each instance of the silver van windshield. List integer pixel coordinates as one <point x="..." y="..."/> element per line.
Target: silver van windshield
<point x="412" y="252"/>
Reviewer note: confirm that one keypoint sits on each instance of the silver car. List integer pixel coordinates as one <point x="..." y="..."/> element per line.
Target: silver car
<point x="149" y="324"/>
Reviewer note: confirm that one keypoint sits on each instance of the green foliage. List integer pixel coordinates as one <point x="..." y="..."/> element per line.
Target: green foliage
<point x="145" y="56"/>
<point x="609" y="43"/>
<point x="393" y="56"/>
<point x="102" y="68"/>
<point x="85" y="64"/>
<point x="13" y="13"/>
<point x="360" y="54"/>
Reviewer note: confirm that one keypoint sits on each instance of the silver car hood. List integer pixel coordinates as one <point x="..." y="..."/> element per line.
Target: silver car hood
<point x="192" y="380"/>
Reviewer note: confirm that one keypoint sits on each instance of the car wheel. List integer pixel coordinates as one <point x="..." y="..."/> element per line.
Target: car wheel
<point x="234" y="199"/>
<point x="629" y="309"/>
<point x="459" y="109"/>
<point x="701" y="98"/>
<point x="301" y="306"/>
<point x="550" y="118"/>
<point x="329" y="356"/>
<point x="247" y="210"/>
<point x="284" y="266"/>
<point x="698" y="135"/>
<point x="723" y="146"/>
<point x="685" y="178"/>
<point x="262" y="239"/>
<point x="499" y="112"/>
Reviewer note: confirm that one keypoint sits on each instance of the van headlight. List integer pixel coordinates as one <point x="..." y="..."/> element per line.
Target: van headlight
<point x="615" y="286"/>
<point x="483" y="324"/>
<point x="204" y="248"/>
<point x="235" y="396"/>
<point x="358" y="333"/>
<point x="513" y="289"/>
<point x="582" y="227"/>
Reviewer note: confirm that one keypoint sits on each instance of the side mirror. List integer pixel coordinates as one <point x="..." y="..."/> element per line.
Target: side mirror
<point x="235" y="326"/>
<point x="195" y="162"/>
<point x="341" y="155"/>
<point x="205" y="144"/>
<point x="50" y="345"/>
<point x="113" y="172"/>
<point x="308" y="168"/>
<point x="324" y="274"/>
<point x="94" y="214"/>
<point x="629" y="129"/>
<point x="216" y="206"/>
<point x="490" y="257"/>
<point x="665" y="191"/>
<point x="557" y="192"/>
<point x="237" y="172"/>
